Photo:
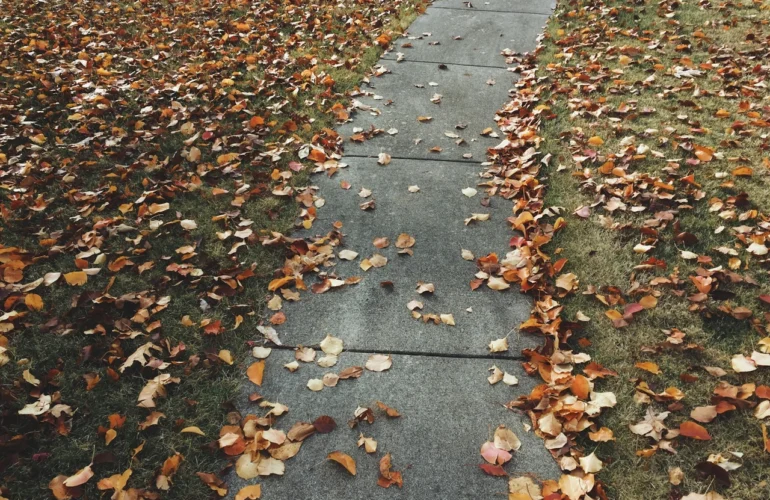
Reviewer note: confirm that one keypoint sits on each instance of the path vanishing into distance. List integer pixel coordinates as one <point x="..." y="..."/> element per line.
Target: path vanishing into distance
<point x="449" y="67"/>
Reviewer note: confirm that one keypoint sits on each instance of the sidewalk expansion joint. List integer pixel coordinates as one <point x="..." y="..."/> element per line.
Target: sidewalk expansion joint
<point x="493" y="11"/>
<point x="414" y="353"/>
<point x="387" y="58"/>
<point x="466" y="162"/>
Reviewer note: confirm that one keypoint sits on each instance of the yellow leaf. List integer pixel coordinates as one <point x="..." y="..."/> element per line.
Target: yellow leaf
<point x="192" y="430"/>
<point x="226" y="356"/>
<point x="649" y="366"/>
<point x="76" y="278"/>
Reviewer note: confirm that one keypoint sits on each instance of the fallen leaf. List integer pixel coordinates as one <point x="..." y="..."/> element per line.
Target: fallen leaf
<point x="344" y="460"/>
<point x="256" y="372"/>
<point x="499" y="345"/>
<point x="80" y="477"/>
<point x="251" y="492"/>
<point x="694" y="431"/>
<point x="379" y="362"/>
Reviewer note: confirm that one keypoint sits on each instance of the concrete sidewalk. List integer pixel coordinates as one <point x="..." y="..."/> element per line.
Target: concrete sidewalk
<point x="438" y="380"/>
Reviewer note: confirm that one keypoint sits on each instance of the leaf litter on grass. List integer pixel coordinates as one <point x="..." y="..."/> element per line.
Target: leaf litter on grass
<point x="151" y="154"/>
<point x="645" y="122"/>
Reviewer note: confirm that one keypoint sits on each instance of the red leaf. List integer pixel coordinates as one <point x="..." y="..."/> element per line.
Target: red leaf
<point x="324" y="424"/>
<point x="493" y="470"/>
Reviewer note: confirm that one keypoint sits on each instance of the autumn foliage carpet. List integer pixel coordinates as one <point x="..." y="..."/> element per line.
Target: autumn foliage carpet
<point x="653" y="147"/>
<point x="146" y="149"/>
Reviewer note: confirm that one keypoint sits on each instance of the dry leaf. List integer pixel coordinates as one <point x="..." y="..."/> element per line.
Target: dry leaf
<point x="344" y="460"/>
<point x="379" y="362"/>
<point x="256" y="372"/>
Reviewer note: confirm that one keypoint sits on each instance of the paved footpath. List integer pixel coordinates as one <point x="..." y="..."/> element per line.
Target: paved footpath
<point x="438" y="380"/>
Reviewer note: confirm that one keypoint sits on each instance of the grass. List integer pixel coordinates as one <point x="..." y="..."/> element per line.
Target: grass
<point x="88" y="186"/>
<point x="603" y="257"/>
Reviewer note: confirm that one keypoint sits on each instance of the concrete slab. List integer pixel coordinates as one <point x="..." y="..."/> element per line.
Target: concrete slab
<point x="369" y="316"/>
<point x="448" y="410"/>
<point x="438" y="379"/>
<point x="469" y="97"/>
<point x="484" y="35"/>
<point x="521" y="6"/>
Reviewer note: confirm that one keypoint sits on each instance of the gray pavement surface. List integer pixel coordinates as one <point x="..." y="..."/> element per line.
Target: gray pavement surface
<point x="368" y="316"/>
<point x="438" y="380"/>
<point x="448" y="410"/>
<point x="520" y="6"/>
<point x="483" y="36"/>
<point x="477" y="91"/>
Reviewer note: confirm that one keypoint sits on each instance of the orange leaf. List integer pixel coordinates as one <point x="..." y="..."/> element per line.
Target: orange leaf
<point x="694" y="431"/>
<point x="580" y="387"/>
<point x="595" y="141"/>
<point x="703" y="153"/>
<point x="256" y="121"/>
<point x="743" y="172"/>
<point x="249" y="492"/>
<point x="279" y="282"/>
<point x="33" y="301"/>
<point x="317" y="155"/>
<point x="344" y="460"/>
<point x="256" y="371"/>
<point x="91" y="380"/>
<point x="648" y="366"/>
<point x="648" y="302"/>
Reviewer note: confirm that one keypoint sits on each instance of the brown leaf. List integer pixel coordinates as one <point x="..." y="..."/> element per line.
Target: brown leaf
<point x="391" y="412"/>
<point x="351" y="372"/>
<point x="213" y="482"/>
<point x="404" y="241"/>
<point x="300" y="431"/>
<point x="387" y="476"/>
<point x="324" y="424"/>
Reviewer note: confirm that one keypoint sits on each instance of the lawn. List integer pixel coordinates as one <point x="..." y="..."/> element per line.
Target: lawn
<point x="652" y="131"/>
<point x="147" y="149"/>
